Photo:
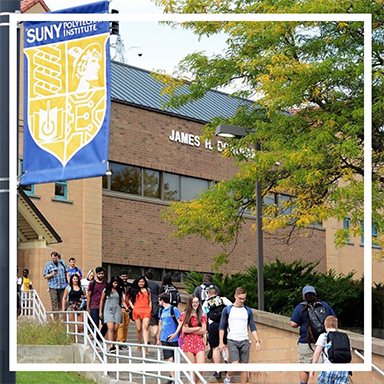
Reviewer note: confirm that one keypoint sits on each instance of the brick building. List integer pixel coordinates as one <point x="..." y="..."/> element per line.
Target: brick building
<point x="156" y="155"/>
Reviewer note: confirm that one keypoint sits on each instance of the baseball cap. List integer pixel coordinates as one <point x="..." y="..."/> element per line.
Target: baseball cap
<point x="307" y="289"/>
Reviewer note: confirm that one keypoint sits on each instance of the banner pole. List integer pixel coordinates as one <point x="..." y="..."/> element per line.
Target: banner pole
<point x="6" y="7"/>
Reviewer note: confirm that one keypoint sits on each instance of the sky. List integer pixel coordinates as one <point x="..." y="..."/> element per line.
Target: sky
<point x="162" y="47"/>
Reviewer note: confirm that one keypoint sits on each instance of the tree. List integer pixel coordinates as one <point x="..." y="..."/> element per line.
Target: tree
<point x="315" y="153"/>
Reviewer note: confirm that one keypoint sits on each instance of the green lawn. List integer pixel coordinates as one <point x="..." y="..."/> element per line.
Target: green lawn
<point x="51" y="378"/>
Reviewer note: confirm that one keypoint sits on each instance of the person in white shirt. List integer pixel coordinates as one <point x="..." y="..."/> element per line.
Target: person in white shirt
<point x="236" y="319"/>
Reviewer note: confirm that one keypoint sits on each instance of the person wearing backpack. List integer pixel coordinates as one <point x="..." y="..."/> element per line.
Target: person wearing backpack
<point x="236" y="319"/>
<point x="168" y="287"/>
<point x="202" y="290"/>
<point x="169" y="329"/>
<point x="300" y="318"/>
<point x="214" y="307"/>
<point x="335" y="348"/>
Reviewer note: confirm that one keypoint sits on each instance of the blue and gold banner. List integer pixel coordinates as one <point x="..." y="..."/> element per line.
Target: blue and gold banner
<point x="66" y="98"/>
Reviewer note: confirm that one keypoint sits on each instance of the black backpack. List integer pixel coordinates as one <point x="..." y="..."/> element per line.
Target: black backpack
<point x="204" y="291"/>
<point x="174" y="295"/>
<point x="338" y="347"/>
<point x="216" y="306"/>
<point x="317" y="313"/>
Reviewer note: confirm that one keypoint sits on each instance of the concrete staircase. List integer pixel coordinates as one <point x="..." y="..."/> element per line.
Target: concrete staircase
<point x="153" y="354"/>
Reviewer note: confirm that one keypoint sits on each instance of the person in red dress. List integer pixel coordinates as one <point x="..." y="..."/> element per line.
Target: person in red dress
<point x="141" y="304"/>
<point x="194" y="326"/>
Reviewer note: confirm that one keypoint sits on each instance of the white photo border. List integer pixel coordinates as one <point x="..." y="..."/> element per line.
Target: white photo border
<point x="14" y="19"/>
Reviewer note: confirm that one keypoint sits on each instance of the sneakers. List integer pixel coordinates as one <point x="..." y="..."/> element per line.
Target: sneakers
<point x="112" y="349"/>
<point x="227" y="380"/>
<point x="217" y="375"/>
<point x="169" y="382"/>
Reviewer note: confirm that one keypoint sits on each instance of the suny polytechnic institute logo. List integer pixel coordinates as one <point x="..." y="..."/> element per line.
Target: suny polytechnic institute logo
<point x="67" y="94"/>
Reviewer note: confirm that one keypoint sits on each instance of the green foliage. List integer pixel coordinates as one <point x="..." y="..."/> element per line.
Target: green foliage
<point x="51" y="378"/>
<point x="316" y="70"/>
<point x="30" y="332"/>
<point x="283" y="284"/>
<point x="378" y="305"/>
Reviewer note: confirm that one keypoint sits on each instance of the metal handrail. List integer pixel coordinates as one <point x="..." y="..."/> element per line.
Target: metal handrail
<point x="81" y="325"/>
<point x="31" y="305"/>
<point x="375" y="367"/>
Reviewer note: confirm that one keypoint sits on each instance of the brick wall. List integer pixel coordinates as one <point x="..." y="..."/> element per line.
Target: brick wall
<point x="133" y="231"/>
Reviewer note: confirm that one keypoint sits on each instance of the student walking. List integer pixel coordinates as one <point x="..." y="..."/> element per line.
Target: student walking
<point x="85" y="284"/>
<point x="214" y="307"/>
<point x="169" y="328"/>
<point x="73" y="269"/>
<point x="24" y="281"/>
<point x="141" y="304"/>
<point x="236" y="319"/>
<point x="72" y="298"/>
<point x="122" y="332"/>
<point x="201" y="291"/>
<point x="95" y="290"/>
<point x="155" y="290"/>
<point x="168" y="287"/>
<point x="55" y="272"/>
<point x="299" y="318"/>
<point x="324" y="347"/>
<point x="86" y="281"/>
<point x="194" y="327"/>
<point x="112" y="301"/>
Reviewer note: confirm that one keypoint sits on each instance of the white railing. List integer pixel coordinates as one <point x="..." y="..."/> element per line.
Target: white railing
<point x="375" y="367"/>
<point x="32" y="306"/>
<point x="82" y="328"/>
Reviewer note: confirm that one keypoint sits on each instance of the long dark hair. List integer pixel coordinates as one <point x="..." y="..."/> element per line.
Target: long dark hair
<point x="109" y="287"/>
<point x="78" y="281"/>
<point x="188" y="312"/>
<point x="135" y="289"/>
<point x="310" y="299"/>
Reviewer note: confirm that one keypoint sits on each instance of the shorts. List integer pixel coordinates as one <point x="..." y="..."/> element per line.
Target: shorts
<point x="213" y="335"/>
<point x="168" y="353"/>
<point x="334" y="377"/>
<point x="238" y="350"/>
<point x="306" y="353"/>
<point x="154" y="315"/>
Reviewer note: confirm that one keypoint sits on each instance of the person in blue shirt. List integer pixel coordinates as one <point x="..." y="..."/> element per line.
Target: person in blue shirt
<point x="72" y="269"/>
<point x="169" y="328"/>
<point x="300" y="319"/>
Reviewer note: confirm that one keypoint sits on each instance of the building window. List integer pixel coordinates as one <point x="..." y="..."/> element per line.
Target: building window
<point x="61" y="190"/>
<point x="171" y="186"/>
<point x="346" y="226"/>
<point x="125" y="179"/>
<point x="28" y="189"/>
<point x="191" y="187"/>
<point x="150" y="183"/>
<point x="283" y="202"/>
<point x="374" y="236"/>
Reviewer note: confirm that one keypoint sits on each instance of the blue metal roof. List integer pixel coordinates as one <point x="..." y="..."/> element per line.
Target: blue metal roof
<point x="135" y="86"/>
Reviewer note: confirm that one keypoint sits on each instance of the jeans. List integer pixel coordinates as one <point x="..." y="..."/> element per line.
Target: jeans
<point x="96" y="320"/>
